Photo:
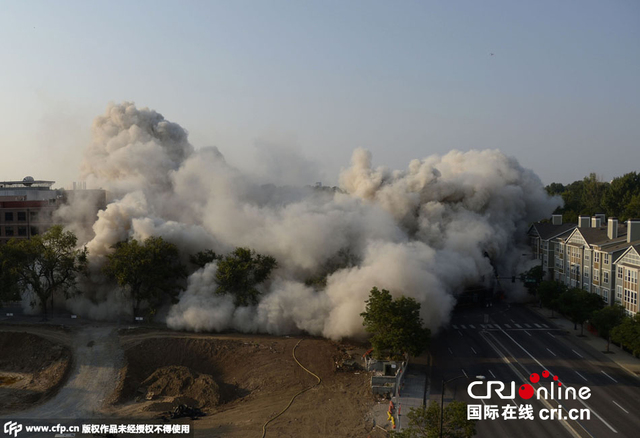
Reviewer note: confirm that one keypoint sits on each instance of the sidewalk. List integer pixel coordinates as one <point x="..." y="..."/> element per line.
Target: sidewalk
<point x="619" y="356"/>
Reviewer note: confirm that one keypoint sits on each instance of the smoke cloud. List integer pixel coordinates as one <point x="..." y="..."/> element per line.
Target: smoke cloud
<point x="420" y="232"/>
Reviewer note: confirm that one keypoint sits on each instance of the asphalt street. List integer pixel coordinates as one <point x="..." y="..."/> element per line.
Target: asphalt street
<point x="508" y="343"/>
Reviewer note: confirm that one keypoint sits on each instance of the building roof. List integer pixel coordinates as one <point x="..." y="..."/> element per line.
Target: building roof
<point x="598" y="236"/>
<point x="546" y="230"/>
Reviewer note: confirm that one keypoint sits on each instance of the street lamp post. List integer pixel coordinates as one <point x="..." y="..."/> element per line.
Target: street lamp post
<point x="442" y="398"/>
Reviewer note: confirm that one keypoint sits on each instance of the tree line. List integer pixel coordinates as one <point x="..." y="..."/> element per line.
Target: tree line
<point x="580" y="306"/>
<point x="151" y="273"/>
<point x="619" y="198"/>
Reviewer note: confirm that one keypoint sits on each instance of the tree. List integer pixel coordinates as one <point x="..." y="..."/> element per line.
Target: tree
<point x="424" y="422"/>
<point x="627" y="334"/>
<point x="549" y="292"/>
<point x="240" y="272"/>
<point x="579" y="305"/>
<point x="203" y="258"/>
<point x="395" y="325"/>
<point x="536" y="273"/>
<point x="9" y="290"/>
<point x="149" y="272"/>
<point x="46" y="264"/>
<point x="605" y="319"/>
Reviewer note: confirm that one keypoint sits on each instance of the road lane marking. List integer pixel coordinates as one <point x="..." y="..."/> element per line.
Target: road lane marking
<point x="482" y="325"/>
<point x="545" y="326"/>
<point x="527" y="326"/>
<point x="518" y="325"/>
<point x="471" y="326"/>
<point x="537" y="325"/>
<point x="459" y="332"/>
<point x="494" y="376"/>
<point x="463" y="326"/>
<point x="551" y="352"/>
<point x="465" y="373"/>
<point x="455" y="327"/>
<point x="513" y="321"/>
<point x="527" y="333"/>
<point x="450" y="351"/>
<point x="577" y="353"/>
<point x="474" y="351"/>
<point x="585" y="379"/>
<point x="614" y="402"/>
<point x="507" y="326"/>
<point x="550" y="335"/>
<point x="609" y="376"/>
<point x="544" y="368"/>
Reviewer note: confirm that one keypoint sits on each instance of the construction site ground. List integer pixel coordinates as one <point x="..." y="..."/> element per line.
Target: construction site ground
<point x="239" y="380"/>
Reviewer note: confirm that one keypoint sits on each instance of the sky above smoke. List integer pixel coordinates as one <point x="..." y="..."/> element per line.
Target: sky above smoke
<point x="420" y="232"/>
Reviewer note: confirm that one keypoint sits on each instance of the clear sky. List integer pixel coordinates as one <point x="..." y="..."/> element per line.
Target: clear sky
<point x="405" y="79"/>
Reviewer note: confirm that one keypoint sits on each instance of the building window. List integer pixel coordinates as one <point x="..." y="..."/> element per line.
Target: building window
<point x="596" y="257"/>
<point x="22" y="216"/>
<point x="8" y="231"/>
<point x="630" y="297"/>
<point x="586" y="255"/>
<point x="605" y="295"/>
<point x="596" y="290"/>
<point x="34" y="231"/>
<point x="8" y="216"/>
<point x="22" y="231"/>
<point x="619" y="293"/>
<point x="605" y="277"/>
<point x="628" y="276"/>
<point x="586" y="272"/>
<point x="606" y="259"/>
<point x="33" y="216"/>
<point x="620" y="272"/>
<point x="596" y="275"/>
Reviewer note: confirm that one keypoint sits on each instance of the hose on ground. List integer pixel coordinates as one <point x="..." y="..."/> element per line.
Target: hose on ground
<point x="264" y="426"/>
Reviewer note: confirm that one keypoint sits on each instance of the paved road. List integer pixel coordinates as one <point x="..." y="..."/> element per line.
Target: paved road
<point x="513" y="344"/>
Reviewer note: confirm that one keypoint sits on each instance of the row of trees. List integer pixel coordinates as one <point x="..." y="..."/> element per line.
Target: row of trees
<point x="150" y="272"/>
<point x="581" y="306"/>
<point x="620" y="198"/>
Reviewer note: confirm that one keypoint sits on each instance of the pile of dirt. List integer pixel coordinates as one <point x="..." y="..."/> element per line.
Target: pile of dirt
<point x="180" y="381"/>
<point x="32" y="369"/>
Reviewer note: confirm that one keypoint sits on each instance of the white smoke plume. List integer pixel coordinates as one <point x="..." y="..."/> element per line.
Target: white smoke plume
<point x="421" y="232"/>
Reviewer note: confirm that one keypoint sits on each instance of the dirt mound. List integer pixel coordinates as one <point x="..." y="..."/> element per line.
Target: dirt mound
<point x="32" y="369"/>
<point x="176" y="381"/>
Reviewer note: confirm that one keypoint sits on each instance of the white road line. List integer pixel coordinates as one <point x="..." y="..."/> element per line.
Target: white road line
<point x="450" y="350"/>
<point x="544" y="368"/>
<point x="455" y="327"/>
<point x="527" y="326"/>
<point x="527" y="333"/>
<point x="471" y="326"/>
<point x="507" y="326"/>
<point x="551" y="352"/>
<point x="577" y="353"/>
<point x="463" y="326"/>
<point x="465" y="373"/>
<point x="545" y="326"/>
<point x="585" y="379"/>
<point x="614" y="402"/>
<point x="497" y="325"/>
<point x="609" y="376"/>
<point x="494" y="376"/>
<point x="537" y="325"/>
<point x="459" y="332"/>
<point x="518" y="325"/>
<point x="550" y="335"/>
<point x="482" y="326"/>
<point x="474" y="351"/>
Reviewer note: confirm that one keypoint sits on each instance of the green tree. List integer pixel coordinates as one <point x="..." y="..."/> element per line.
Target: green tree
<point x="549" y="292"/>
<point x="395" y="325"/>
<point x="619" y="196"/>
<point x="536" y="273"/>
<point x="424" y="422"/>
<point x="202" y="258"/>
<point x="627" y="334"/>
<point x="9" y="290"/>
<point x="240" y="272"/>
<point x="605" y="319"/>
<point x="579" y="306"/>
<point x="147" y="271"/>
<point x="46" y="264"/>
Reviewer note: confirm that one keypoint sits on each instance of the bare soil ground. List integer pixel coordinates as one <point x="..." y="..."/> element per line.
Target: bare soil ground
<point x="32" y="369"/>
<point x="241" y="381"/>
